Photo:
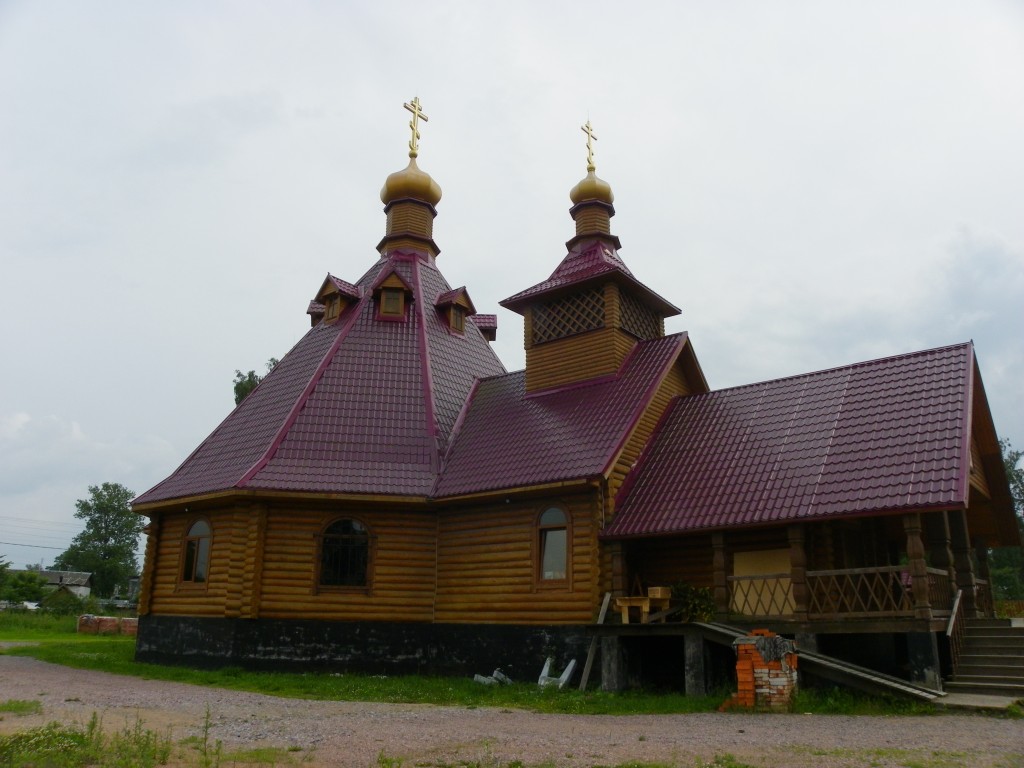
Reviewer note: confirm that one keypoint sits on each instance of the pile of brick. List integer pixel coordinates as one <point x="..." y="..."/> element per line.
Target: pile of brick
<point x="766" y="672"/>
<point x="107" y="625"/>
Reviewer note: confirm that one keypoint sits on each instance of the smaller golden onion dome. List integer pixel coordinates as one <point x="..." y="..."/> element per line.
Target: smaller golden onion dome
<point x="410" y="182"/>
<point x="592" y="188"/>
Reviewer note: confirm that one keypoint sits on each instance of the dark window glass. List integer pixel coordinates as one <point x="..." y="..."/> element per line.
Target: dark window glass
<point x="392" y="302"/>
<point x="344" y="554"/>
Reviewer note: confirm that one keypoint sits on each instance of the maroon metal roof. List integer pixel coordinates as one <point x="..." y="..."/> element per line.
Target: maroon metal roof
<point x="588" y="261"/>
<point x="508" y="438"/>
<point x="449" y="297"/>
<point x="878" y="436"/>
<point x="344" y="288"/>
<point x="363" y="405"/>
<point x="486" y="322"/>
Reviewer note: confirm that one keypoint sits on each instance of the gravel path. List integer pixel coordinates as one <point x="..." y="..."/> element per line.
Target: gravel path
<point x="355" y="733"/>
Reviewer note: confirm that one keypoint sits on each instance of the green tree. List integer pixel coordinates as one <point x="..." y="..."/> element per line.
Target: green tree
<point x="1007" y="563"/>
<point x="247" y="382"/>
<point x="4" y="565"/>
<point x="106" y="548"/>
<point x="21" y="586"/>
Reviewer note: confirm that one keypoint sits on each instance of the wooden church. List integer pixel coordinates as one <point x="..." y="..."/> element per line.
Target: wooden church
<point x="391" y="499"/>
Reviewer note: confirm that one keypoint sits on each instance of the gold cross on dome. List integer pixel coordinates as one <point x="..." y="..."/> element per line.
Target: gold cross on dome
<point x="591" y="138"/>
<point x="414" y="125"/>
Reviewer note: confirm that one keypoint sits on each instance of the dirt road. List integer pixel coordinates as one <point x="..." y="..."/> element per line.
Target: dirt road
<point x="355" y="733"/>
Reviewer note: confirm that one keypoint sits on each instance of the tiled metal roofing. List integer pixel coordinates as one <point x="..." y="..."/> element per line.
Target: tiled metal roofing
<point x="486" y="322"/>
<point x="449" y="297"/>
<point x="587" y="261"/>
<point x="344" y="288"/>
<point x="363" y="405"/>
<point x="509" y="438"/>
<point x="883" y="435"/>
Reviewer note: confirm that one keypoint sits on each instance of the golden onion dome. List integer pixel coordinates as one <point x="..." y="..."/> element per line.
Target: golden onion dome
<point x="592" y="188"/>
<point x="410" y="182"/>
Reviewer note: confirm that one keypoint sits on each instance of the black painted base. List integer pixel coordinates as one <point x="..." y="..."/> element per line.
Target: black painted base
<point x="369" y="647"/>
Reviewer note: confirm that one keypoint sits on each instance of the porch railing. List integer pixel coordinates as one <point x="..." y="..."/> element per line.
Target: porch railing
<point x="860" y="592"/>
<point x="761" y="595"/>
<point x="879" y="592"/>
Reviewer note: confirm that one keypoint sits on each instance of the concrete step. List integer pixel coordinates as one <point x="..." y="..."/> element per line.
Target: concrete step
<point x="993" y="645"/>
<point x="988" y="676"/>
<point x="971" y="623"/>
<point x="986" y="689"/>
<point x="1011" y="665"/>
<point x="997" y="631"/>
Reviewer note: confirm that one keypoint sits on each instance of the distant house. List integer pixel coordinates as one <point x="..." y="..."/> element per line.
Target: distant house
<point x="78" y="583"/>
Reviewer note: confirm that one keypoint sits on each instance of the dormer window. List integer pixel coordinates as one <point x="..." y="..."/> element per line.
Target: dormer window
<point x="332" y="308"/>
<point x="392" y="302"/>
<point x="457" y="319"/>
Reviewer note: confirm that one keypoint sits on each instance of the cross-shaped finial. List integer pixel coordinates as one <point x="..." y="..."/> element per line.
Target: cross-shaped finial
<point x="591" y="138"/>
<point x="414" y="125"/>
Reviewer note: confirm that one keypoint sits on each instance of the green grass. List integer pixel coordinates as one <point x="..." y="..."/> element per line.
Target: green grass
<point x="20" y="707"/>
<point x="31" y="627"/>
<point x="62" y="745"/>
<point x="54" y="640"/>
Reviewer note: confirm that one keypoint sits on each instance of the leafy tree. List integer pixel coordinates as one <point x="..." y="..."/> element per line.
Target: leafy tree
<point x="247" y="382"/>
<point x="21" y="586"/>
<point x="106" y="548"/>
<point x="1007" y="563"/>
<point x="4" y="565"/>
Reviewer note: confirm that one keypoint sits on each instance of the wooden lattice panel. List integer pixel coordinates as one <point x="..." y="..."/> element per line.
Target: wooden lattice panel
<point x="860" y="592"/>
<point x="565" y="317"/>
<point x="767" y="595"/>
<point x="638" y="319"/>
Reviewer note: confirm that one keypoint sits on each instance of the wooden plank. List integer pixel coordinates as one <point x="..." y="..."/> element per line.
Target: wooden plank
<point x="593" y="642"/>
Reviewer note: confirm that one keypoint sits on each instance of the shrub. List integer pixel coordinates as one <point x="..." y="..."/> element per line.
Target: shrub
<point x="698" y="603"/>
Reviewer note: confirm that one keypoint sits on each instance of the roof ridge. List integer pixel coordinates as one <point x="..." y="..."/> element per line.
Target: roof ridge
<point x="427" y="374"/>
<point x="850" y="366"/>
<point x="300" y="403"/>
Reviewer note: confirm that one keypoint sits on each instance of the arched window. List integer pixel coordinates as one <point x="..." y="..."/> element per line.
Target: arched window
<point x="553" y="545"/>
<point x="196" y="565"/>
<point x="344" y="554"/>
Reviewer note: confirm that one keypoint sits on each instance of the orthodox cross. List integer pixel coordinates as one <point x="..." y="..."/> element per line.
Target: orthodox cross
<point x="591" y="138"/>
<point x="414" y="125"/>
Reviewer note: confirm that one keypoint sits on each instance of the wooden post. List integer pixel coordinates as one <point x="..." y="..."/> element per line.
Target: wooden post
<point x="798" y="570"/>
<point x="937" y="534"/>
<point x="918" y="567"/>
<point x="618" y="569"/>
<point x="721" y="583"/>
<point x="984" y="572"/>
<point x="694" y="672"/>
<point x="593" y="642"/>
<point x="149" y="566"/>
<point x="965" y="578"/>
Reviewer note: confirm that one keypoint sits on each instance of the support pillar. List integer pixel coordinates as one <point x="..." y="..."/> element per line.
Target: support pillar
<point x="983" y="602"/>
<point x="696" y="675"/>
<point x="965" y="578"/>
<point x="939" y="548"/>
<point x="618" y="569"/>
<point x="806" y="641"/>
<point x="917" y="566"/>
<point x="798" y="570"/>
<point x="613" y="665"/>
<point x="719" y="568"/>
<point x="923" y="655"/>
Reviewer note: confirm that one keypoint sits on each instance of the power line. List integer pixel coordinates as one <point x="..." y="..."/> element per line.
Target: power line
<point x="34" y="546"/>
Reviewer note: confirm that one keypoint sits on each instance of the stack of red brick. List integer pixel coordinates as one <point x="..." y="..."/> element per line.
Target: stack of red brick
<point x="107" y="625"/>
<point x="763" y="683"/>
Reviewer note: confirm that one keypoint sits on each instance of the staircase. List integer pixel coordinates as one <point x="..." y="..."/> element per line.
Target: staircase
<point x="992" y="660"/>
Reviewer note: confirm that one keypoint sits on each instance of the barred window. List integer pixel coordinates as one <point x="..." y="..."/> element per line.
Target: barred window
<point x="344" y="554"/>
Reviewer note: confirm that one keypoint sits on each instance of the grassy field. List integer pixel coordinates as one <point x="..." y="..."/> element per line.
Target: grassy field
<point x="55" y="640"/>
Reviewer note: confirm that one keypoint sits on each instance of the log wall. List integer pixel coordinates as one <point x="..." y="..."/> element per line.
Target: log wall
<point x="487" y="565"/>
<point x="576" y="358"/>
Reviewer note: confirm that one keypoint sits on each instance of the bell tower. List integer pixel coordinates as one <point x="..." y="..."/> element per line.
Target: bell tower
<point x="584" y="320"/>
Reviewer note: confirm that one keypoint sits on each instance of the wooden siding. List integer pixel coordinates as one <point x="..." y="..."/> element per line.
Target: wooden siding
<point x="977" y="476"/>
<point x="170" y="597"/>
<point x="401" y="569"/>
<point x="280" y="583"/>
<point x="667" y="560"/>
<point x="487" y="565"/>
<point x="576" y="358"/>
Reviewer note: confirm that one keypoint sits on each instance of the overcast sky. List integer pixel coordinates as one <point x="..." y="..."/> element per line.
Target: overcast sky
<point x="813" y="183"/>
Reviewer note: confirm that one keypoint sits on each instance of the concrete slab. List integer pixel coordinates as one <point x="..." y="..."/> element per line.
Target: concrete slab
<point x="975" y="701"/>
